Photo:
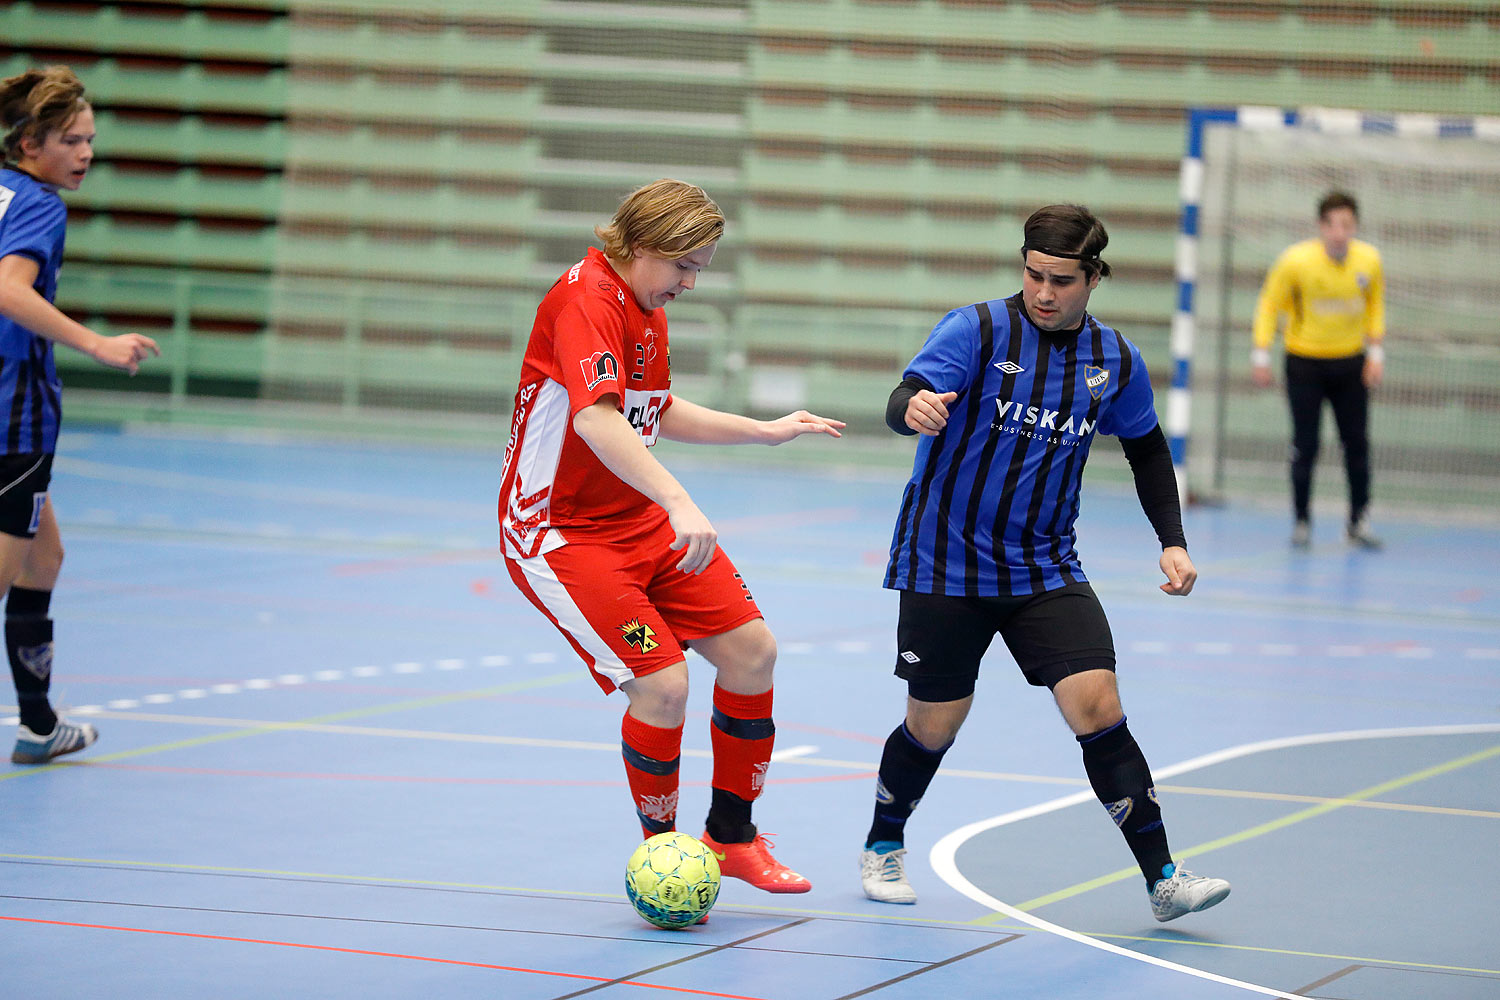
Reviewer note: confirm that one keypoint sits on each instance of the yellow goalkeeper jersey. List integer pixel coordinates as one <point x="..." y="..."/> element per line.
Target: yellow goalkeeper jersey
<point x="1333" y="307"/>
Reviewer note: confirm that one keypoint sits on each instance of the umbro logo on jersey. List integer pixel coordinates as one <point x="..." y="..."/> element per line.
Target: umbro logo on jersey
<point x="911" y="657"/>
<point x="1009" y="367"/>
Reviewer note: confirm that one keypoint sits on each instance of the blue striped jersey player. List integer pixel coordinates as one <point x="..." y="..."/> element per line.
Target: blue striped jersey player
<point x="48" y="143"/>
<point x="1008" y="395"/>
<point x="989" y="509"/>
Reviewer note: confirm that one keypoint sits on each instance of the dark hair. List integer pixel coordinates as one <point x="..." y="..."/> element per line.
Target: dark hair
<point x="1068" y="231"/>
<point x="1337" y="199"/>
<point x="35" y="104"/>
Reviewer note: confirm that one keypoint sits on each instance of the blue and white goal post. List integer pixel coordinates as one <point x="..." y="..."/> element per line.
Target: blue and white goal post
<point x="1328" y="121"/>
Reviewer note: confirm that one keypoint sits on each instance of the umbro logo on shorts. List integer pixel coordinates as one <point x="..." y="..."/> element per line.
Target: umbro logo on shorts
<point x="1009" y="367"/>
<point x="911" y="657"/>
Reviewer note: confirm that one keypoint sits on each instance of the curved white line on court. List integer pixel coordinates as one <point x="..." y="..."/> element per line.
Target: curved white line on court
<point x="944" y="851"/>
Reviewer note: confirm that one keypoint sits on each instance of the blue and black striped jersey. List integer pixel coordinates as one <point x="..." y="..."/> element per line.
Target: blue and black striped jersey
<point x="32" y="224"/>
<point x="990" y="506"/>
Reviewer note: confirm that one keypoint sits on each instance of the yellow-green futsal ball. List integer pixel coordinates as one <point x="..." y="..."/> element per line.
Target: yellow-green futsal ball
<point x="672" y="880"/>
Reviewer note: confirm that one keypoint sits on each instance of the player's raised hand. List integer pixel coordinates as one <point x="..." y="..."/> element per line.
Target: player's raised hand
<point x="126" y="351"/>
<point x="796" y="424"/>
<point x="927" y="411"/>
<point x="1179" y="570"/>
<point x="694" y="534"/>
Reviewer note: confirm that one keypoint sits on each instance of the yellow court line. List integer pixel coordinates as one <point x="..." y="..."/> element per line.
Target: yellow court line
<point x="1294" y="952"/>
<point x="314" y="726"/>
<point x="273" y="872"/>
<point x="1257" y="831"/>
<point x="258" y="729"/>
<point x="1235" y="793"/>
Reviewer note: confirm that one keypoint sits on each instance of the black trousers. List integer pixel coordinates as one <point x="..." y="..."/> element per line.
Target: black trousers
<point x="1309" y="381"/>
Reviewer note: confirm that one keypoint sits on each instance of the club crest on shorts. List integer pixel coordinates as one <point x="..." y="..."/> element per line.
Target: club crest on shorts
<point x="640" y="636"/>
<point x="1097" y="378"/>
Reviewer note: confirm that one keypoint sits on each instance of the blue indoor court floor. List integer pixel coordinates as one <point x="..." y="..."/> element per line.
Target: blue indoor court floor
<point x="341" y="757"/>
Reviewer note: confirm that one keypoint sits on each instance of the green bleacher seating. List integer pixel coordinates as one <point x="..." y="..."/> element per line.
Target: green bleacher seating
<point x="188" y="138"/>
<point x="361" y="182"/>
<point x="151" y="30"/>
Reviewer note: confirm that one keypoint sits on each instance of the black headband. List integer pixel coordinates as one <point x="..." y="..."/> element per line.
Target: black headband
<point x="1089" y="257"/>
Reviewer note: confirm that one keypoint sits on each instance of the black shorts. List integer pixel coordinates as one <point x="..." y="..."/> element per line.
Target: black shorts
<point x="940" y="639"/>
<point x="23" y="490"/>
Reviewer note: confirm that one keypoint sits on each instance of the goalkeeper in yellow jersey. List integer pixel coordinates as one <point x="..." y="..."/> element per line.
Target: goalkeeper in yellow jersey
<point x="1332" y="292"/>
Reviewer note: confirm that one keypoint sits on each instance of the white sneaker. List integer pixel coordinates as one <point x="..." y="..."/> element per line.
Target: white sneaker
<point x="1184" y="892"/>
<point x="1361" y="536"/>
<point x="883" y="876"/>
<point x="66" y="737"/>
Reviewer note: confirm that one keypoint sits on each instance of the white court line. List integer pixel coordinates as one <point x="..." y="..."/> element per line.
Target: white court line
<point x="284" y="680"/>
<point x="944" y="852"/>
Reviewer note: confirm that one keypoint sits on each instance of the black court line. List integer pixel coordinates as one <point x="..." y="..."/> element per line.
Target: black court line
<point x="684" y="941"/>
<point x="363" y="883"/>
<point x="337" y="918"/>
<point x="1306" y="991"/>
<point x="634" y="976"/>
<point x="935" y="965"/>
<point x="1348" y="970"/>
<point x="148" y="869"/>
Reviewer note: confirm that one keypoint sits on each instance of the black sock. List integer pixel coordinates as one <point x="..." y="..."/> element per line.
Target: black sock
<point x="1117" y="769"/>
<point x="729" y="818"/>
<point x="28" y="643"/>
<point x="906" y="769"/>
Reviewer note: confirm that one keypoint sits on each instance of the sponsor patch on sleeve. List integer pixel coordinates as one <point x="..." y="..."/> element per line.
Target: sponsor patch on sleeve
<point x="600" y="366"/>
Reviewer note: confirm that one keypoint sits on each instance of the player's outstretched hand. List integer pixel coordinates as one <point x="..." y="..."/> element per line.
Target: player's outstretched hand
<point x="1179" y="570"/>
<point x="1261" y="376"/>
<point x="125" y="352"/>
<point x="694" y="534"/>
<point x="793" y="425"/>
<point x="927" y="411"/>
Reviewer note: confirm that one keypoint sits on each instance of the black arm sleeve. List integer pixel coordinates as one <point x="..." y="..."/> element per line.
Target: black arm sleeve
<point x="1156" y="484"/>
<point x="895" y="408"/>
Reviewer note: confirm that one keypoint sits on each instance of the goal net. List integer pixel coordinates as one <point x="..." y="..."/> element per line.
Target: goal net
<point x="1429" y="196"/>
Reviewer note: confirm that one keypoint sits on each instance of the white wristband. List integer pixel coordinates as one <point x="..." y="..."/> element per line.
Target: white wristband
<point x="1375" y="353"/>
<point x="1260" y="357"/>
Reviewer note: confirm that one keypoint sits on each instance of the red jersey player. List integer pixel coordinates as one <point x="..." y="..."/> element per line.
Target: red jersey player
<point x="609" y="546"/>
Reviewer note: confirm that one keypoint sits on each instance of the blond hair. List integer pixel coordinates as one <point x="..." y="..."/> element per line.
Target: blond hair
<point x="35" y="104"/>
<point x="672" y="218"/>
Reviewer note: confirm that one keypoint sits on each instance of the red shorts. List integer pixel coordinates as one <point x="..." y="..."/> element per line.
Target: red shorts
<point x="623" y="604"/>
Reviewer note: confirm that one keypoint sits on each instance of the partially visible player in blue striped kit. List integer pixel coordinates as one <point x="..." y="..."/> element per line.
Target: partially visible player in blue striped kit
<point x="1008" y="395"/>
<point x="48" y="131"/>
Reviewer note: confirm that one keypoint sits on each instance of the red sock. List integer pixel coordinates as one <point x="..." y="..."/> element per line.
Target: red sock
<point x="651" y="758"/>
<point x="743" y="736"/>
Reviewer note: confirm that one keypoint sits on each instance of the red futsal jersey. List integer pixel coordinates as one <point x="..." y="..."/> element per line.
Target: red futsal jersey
<point x="590" y="339"/>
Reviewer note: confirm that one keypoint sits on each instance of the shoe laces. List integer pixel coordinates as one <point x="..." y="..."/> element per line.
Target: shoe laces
<point x="760" y="848"/>
<point x="887" y="867"/>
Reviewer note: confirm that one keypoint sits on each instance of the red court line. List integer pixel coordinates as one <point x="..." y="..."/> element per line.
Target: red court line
<point x="379" y="954"/>
<point x="225" y="772"/>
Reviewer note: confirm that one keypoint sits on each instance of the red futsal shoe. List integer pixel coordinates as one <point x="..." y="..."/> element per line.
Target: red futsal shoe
<point x="753" y="863"/>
